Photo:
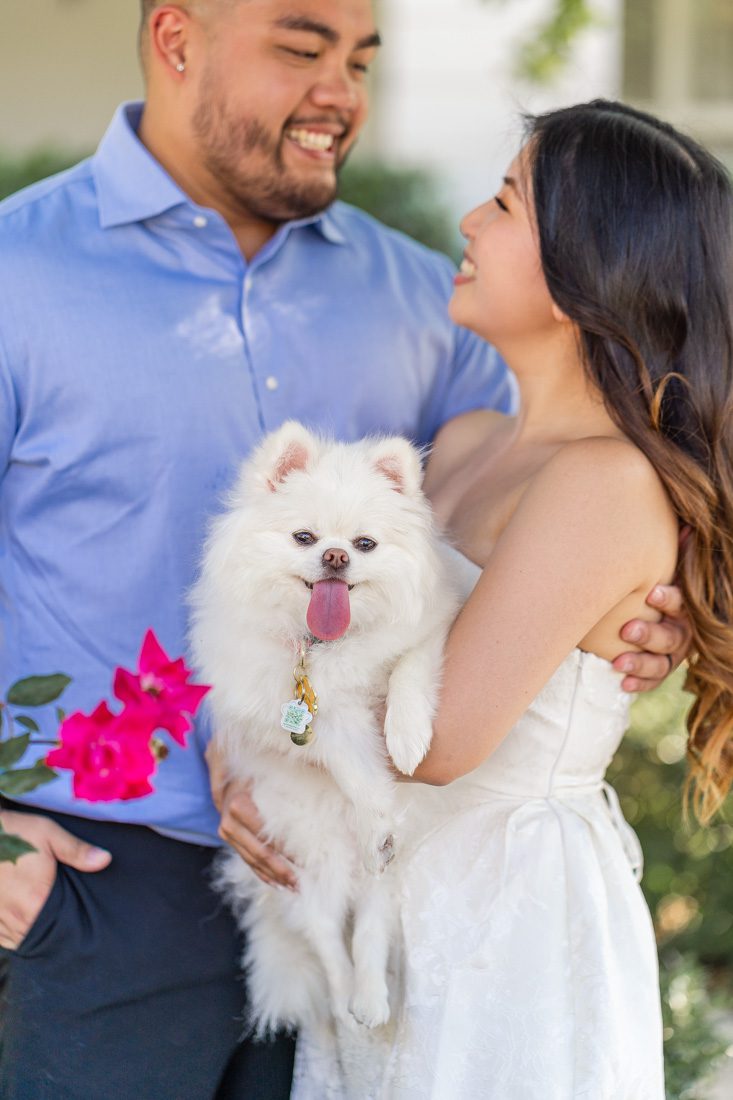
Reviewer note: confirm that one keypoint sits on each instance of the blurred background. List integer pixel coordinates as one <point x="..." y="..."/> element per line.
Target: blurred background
<point x="448" y="91"/>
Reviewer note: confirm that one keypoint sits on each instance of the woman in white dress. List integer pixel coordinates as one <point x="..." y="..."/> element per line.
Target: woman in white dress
<point x="602" y="272"/>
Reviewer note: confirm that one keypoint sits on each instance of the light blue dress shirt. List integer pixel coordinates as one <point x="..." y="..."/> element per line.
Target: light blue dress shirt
<point x="141" y="357"/>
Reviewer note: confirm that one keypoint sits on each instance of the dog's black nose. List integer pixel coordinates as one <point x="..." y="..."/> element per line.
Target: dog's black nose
<point x="335" y="558"/>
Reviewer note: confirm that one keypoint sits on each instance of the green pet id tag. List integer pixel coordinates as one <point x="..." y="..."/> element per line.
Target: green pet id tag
<point x="300" y="712"/>
<point x="295" y="716"/>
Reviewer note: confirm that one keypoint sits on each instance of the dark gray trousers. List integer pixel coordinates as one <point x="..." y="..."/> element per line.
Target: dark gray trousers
<point x="126" y="986"/>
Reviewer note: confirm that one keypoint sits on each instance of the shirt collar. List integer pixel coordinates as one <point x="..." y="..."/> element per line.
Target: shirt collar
<point x="133" y="186"/>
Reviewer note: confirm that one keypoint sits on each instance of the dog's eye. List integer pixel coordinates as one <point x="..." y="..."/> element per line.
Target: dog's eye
<point x="364" y="544"/>
<point x="305" y="538"/>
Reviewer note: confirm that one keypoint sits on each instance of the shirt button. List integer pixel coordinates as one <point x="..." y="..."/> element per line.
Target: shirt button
<point x="200" y="221"/>
<point x="271" y="383"/>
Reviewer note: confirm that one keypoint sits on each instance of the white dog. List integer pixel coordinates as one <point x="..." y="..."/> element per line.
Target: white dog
<point x="322" y="579"/>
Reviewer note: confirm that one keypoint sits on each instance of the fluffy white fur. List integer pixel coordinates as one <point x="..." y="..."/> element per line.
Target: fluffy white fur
<point x="322" y="952"/>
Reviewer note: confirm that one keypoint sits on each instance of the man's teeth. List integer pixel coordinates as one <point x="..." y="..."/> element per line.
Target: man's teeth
<point x="468" y="268"/>
<point x="311" y="139"/>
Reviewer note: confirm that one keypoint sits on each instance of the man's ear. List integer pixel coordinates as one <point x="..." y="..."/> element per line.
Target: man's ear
<point x="168" y="33"/>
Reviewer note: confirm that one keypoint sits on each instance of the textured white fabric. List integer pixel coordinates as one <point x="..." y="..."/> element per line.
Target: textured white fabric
<point x="527" y="968"/>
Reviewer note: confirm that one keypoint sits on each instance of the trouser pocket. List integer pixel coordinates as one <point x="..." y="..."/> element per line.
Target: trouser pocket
<point x="36" y="939"/>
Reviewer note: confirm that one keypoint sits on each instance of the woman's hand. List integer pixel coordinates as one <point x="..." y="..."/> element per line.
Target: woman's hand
<point x="241" y="825"/>
<point x="666" y="643"/>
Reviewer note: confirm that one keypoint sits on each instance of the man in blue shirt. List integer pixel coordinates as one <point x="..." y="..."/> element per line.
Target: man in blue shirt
<point x="162" y="305"/>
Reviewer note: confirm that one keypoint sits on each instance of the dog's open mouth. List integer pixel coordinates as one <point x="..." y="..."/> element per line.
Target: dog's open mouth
<point x="309" y="584"/>
<point x="329" y="612"/>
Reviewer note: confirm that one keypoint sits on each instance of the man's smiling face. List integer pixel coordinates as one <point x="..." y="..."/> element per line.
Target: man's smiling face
<point x="281" y="99"/>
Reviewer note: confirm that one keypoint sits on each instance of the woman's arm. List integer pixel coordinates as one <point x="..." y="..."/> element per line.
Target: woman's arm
<point x="591" y="529"/>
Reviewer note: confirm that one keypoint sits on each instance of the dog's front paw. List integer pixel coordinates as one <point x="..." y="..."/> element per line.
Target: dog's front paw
<point x="408" y="730"/>
<point x="370" y="1006"/>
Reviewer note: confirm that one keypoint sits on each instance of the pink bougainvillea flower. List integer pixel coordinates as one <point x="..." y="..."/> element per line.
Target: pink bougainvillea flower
<point x="110" y="754"/>
<point x="161" y="689"/>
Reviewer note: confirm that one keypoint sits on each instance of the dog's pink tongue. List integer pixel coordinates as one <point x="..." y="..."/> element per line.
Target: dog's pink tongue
<point x="329" y="613"/>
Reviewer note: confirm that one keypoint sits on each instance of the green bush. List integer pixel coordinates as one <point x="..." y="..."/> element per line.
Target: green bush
<point x="17" y="172"/>
<point x="688" y="884"/>
<point x="688" y="870"/>
<point x="405" y="198"/>
<point x="693" y="1044"/>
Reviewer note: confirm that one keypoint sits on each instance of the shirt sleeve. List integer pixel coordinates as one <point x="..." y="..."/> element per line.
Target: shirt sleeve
<point x="8" y="412"/>
<point x="476" y="378"/>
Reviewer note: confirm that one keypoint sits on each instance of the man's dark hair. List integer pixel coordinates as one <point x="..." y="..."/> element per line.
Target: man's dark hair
<point x="147" y="7"/>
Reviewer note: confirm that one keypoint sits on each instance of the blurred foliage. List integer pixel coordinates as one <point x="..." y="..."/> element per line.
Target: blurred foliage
<point x="544" y="54"/>
<point x="405" y="198"/>
<point x="688" y="869"/>
<point x="17" y="172"/>
<point x="694" y="1043"/>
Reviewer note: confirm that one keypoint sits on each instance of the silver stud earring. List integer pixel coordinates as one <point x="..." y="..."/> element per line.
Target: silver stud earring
<point x="180" y="67"/>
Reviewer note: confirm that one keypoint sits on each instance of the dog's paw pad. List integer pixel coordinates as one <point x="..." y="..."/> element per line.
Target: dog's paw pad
<point x="387" y="850"/>
<point x="378" y="852"/>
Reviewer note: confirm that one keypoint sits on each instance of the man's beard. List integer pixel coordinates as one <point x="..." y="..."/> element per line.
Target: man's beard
<point x="268" y="191"/>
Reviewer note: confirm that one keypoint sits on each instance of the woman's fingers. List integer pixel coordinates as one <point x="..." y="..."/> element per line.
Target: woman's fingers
<point x="663" y="639"/>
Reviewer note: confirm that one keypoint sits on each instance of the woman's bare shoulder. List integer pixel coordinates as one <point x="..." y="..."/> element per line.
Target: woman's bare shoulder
<point x="598" y="457"/>
<point x="460" y="437"/>
<point x="610" y="476"/>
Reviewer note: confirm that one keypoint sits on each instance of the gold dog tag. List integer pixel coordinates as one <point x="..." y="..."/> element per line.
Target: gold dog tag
<point x="300" y="711"/>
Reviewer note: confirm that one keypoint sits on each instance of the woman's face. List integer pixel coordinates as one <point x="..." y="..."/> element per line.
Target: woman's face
<point x="500" y="292"/>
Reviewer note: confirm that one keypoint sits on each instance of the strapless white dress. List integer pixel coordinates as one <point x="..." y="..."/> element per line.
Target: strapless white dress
<point x="528" y="967"/>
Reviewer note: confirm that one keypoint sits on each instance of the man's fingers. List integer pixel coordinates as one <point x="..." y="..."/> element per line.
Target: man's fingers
<point x="264" y="860"/>
<point x="241" y="827"/>
<point x="635" y="686"/>
<point x="666" y="598"/>
<point x="25" y="885"/>
<point x="240" y="805"/>
<point x="649" y="667"/>
<point x="665" y="637"/>
<point x="217" y="773"/>
<point x="74" y="852"/>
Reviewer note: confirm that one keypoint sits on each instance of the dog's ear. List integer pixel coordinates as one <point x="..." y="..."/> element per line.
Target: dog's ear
<point x="291" y="447"/>
<point x="399" y="462"/>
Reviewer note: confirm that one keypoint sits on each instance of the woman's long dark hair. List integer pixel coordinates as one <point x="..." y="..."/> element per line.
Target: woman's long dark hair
<point x="635" y="223"/>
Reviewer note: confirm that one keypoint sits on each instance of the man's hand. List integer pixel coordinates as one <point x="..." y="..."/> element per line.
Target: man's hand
<point x="665" y="644"/>
<point x="241" y="826"/>
<point x="25" y="885"/>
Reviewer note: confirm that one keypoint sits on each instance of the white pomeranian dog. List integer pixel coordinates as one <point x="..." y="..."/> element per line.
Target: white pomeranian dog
<point x="320" y="619"/>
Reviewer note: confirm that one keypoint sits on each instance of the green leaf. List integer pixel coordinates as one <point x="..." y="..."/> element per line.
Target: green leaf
<point x="36" y="691"/>
<point x="2" y="708"/>
<point x="12" y="847"/>
<point x="27" y="723"/>
<point x="60" y="714"/>
<point x="23" y="780"/>
<point x="12" y="750"/>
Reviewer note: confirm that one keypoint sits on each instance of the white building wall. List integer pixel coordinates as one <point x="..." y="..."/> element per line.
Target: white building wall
<point x="64" y="67"/>
<point x="449" y="98"/>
